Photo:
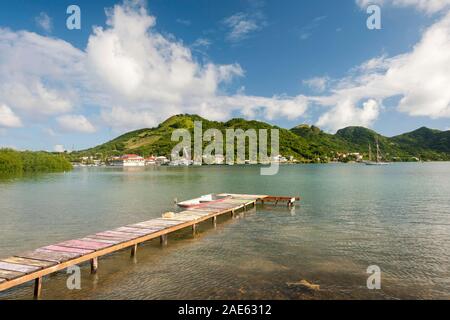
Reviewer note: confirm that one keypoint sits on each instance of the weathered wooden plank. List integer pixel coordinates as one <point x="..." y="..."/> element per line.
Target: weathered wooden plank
<point x="164" y="222"/>
<point x="104" y="240"/>
<point x="84" y="244"/>
<point x="46" y="255"/>
<point x="243" y="196"/>
<point x="2" y="280"/>
<point x="197" y="213"/>
<point x="139" y="231"/>
<point x="18" y="267"/>
<point x="146" y="227"/>
<point x="30" y="262"/>
<point x="122" y="235"/>
<point x="236" y="201"/>
<point x="220" y="206"/>
<point x="67" y="249"/>
<point x="204" y="209"/>
<point x="9" y="275"/>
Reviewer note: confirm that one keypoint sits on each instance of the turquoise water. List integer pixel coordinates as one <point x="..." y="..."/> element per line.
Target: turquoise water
<point x="350" y="217"/>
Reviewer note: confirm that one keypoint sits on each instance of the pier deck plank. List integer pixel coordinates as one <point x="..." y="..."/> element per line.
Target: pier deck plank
<point x="10" y="275"/>
<point x="84" y="244"/>
<point x="29" y="262"/>
<point x="31" y="265"/>
<point x="45" y="255"/>
<point x="18" y="267"/>
<point x="60" y="248"/>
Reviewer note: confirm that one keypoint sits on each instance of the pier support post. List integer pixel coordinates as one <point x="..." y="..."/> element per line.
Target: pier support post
<point x="37" y="288"/>
<point x="134" y="250"/>
<point x="194" y="229"/>
<point x="163" y="240"/>
<point x="94" y="265"/>
<point x="214" y="221"/>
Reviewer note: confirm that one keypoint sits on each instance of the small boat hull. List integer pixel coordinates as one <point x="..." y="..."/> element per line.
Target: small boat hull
<point x="202" y="201"/>
<point x="370" y="163"/>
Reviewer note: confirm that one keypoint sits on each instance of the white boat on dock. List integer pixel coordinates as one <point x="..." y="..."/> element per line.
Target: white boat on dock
<point x="203" y="200"/>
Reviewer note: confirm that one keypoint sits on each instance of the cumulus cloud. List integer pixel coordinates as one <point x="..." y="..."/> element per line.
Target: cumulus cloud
<point x="39" y="76"/>
<point x="136" y="77"/>
<point x="8" y="119"/>
<point x="419" y="79"/>
<point x="44" y="21"/>
<point x="428" y="6"/>
<point x="75" y="123"/>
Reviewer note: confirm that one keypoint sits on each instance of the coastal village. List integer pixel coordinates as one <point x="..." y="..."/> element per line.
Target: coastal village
<point x="135" y="160"/>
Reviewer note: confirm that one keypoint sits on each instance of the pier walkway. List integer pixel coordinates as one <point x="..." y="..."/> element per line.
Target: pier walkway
<point x="34" y="265"/>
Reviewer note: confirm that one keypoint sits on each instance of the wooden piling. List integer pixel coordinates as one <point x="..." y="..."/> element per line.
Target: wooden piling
<point x="37" y="288"/>
<point x="94" y="265"/>
<point x="214" y="221"/>
<point x="194" y="229"/>
<point x="163" y="240"/>
<point x="134" y="250"/>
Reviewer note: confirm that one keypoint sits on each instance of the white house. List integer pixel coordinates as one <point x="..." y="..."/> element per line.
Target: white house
<point x="128" y="160"/>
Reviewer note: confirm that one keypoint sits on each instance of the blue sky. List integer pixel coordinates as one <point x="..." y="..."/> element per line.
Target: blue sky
<point x="285" y="63"/>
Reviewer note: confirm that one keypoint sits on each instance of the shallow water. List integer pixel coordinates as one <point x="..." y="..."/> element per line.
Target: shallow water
<point x="351" y="216"/>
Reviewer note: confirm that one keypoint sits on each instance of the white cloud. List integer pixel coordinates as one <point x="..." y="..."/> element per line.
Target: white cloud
<point x="75" y="123"/>
<point x="8" y="118"/>
<point x="44" y="21"/>
<point x="427" y="6"/>
<point x="241" y="26"/>
<point x="39" y="76"/>
<point x="138" y="77"/>
<point x="201" y="42"/>
<point x="419" y="78"/>
<point x="318" y="84"/>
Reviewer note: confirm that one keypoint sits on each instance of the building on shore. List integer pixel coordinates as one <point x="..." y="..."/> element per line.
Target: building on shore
<point x="128" y="160"/>
<point x="150" y="161"/>
<point x="162" y="161"/>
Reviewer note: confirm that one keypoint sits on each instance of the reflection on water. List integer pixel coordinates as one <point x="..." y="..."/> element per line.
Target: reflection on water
<point x="396" y="217"/>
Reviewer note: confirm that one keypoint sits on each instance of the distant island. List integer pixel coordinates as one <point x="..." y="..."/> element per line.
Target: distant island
<point x="304" y="143"/>
<point x="16" y="163"/>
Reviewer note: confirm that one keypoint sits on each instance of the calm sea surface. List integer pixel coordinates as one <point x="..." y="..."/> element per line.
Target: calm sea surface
<point x="351" y="216"/>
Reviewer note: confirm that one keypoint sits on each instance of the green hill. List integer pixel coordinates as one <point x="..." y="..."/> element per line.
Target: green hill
<point x="305" y="143"/>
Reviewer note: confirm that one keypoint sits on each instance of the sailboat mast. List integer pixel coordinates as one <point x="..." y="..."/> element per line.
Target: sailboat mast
<point x="378" y="152"/>
<point x="370" y="152"/>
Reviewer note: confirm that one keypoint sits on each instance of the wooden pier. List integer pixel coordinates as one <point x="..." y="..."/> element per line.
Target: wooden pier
<point x="34" y="265"/>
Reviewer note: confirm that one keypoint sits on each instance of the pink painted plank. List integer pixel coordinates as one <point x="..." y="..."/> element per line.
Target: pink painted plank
<point x="45" y="255"/>
<point x="83" y="244"/>
<point x="18" y="267"/>
<point x="67" y="249"/>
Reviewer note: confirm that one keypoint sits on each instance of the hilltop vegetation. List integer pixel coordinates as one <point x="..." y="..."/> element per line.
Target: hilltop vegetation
<point x="305" y="143"/>
<point x="14" y="163"/>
